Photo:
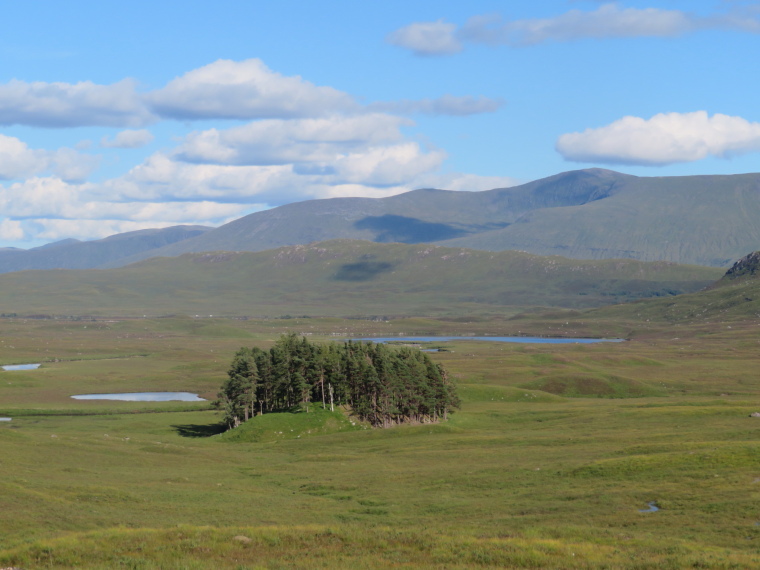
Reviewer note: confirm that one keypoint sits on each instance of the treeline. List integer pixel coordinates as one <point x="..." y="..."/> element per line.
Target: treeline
<point x="380" y="384"/>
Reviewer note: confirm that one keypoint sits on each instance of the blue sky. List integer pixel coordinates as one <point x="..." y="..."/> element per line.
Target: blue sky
<point x="122" y="116"/>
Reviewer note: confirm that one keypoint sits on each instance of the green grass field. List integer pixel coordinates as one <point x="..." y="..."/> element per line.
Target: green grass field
<point x="556" y="450"/>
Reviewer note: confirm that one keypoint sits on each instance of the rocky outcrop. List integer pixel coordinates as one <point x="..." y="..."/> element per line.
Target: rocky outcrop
<point x="747" y="266"/>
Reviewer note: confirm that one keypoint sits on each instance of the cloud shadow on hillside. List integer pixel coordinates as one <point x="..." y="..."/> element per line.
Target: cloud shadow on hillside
<point x="391" y="228"/>
<point x="362" y="271"/>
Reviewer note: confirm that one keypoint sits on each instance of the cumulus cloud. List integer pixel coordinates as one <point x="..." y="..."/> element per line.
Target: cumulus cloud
<point x="162" y="178"/>
<point x="666" y="138"/>
<point x="610" y="20"/>
<point x="44" y="204"/>
<point x="446" y="105"/>
<point x="59" y="105"/>
<point x="427" y="38"/>
<point x="244" y="90"/>
<point x="11" y="230"/>
<point x="128" y="139"/>
<point x="233" y="90"/>
<point x="17" y="161"/>
<point x="293" y="141"/>
<point x="302" y="141"/>
<point x="366" y="149"/>
<point x="71" y="165"/>
<point x="385" y="166"/>
<point x="366" y="171"/>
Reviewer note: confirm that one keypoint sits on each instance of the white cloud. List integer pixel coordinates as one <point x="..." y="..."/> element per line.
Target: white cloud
<point x="244" y="90"/>
<point x="162" y="178"/>
<point x="59" y="105"/>
<point x="292" y="159"/>
<point x="607" y="21"/>
<point x="385" y="166"/>
<point x="666" y="138"/>
<point x="368" y="173"/>
<point x="17" y="161"/>
<point x="71" y="165"/>
<point x="610" y="20"/>
<point x="11" y="230"/>
<point x="128" y="139"/>
<point x="293" y="141"/>
<point x="446" y="105"/>
<point x="305" y="142"/>
<point x="52" y="198"/>
<point x="427" y="38"/>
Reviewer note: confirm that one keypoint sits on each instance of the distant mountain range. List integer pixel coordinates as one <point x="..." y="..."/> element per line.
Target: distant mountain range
<point x="75" y="254"/>
<point x="582" y="214"/>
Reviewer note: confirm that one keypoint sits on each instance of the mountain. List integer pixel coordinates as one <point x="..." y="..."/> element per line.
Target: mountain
<point x="345" y="277"/>
<point x="583" y="214"/>
<point x="75" y="254"/>
<point x="419" y="216"/>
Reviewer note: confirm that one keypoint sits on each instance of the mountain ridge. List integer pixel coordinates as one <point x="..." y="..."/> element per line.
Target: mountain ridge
<point x="708" y="220"/>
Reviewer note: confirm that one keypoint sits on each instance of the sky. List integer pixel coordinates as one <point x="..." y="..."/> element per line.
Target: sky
<point x="116" y="117"/>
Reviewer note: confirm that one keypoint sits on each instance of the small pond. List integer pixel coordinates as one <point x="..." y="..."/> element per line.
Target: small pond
<point x="523" y="339"/>
<point x="21" y="366"/>
<point x="143" y="397"/>
<point x="653" y="508"/>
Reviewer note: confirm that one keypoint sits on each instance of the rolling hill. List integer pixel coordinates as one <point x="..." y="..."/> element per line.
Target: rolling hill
<point x="345" y="278"/>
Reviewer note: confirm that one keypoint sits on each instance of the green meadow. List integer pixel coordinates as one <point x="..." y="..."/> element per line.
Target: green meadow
<point x="551" y="460"/>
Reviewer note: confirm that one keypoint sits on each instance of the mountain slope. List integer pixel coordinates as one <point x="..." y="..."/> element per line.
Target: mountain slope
<point x="345" y="278"/>
<point x="584" y="214"/>
<point x="704" y="220"/>
<point x="733" y="299"/>
<point x="74" y="254"/>
<point x="420" y="216"/>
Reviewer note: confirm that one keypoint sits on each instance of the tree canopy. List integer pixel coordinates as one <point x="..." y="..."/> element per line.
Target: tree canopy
<point x="380" y="384"/>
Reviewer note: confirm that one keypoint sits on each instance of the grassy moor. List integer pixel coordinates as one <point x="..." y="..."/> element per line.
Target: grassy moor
<point x="379" y="285"/>
<point x="638" y="454"/>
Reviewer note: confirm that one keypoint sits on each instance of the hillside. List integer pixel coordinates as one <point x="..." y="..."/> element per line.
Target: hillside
<point x="345" y="278"/>
<point x="732" y="301"/>
<point x="75" y="254"/>
<point x="584" y="214"/>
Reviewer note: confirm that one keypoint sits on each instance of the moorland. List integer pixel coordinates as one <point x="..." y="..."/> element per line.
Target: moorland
<point x="558" y="457"/>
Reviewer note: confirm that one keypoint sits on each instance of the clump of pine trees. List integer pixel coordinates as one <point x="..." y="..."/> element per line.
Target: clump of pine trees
<point x="382" y="385"/>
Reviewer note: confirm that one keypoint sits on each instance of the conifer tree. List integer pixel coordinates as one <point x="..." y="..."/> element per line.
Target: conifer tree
<point x="382" y="385"/>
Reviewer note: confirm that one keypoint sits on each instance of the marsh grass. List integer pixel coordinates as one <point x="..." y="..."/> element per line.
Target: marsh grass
<point x="518" y="478"/>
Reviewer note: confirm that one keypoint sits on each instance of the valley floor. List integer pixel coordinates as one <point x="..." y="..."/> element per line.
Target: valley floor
<point x="554" y="455"/>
